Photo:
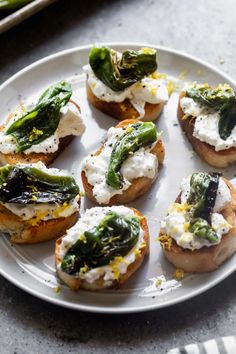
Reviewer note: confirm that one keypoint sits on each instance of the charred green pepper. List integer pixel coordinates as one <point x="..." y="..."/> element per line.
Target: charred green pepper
<point x="42" y="121"/>
<point x="115" y="236"/>
<point x="202" y="196"/>
<point x="120" y="73"/>
<point x="23" y="184"/>
<point x="222" y="99"/>
<point x="136" y="136"/>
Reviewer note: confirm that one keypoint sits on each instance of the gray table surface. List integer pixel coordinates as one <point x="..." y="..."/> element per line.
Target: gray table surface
<point x="202" y="28"/>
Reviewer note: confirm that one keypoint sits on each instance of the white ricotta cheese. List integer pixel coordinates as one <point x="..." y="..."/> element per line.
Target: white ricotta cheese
<point x="70" y="123"/>
<point x="140" y="164"/>
<point x="44" y="211"/>
<point x="176" y="225"/>
<point x="190" y="107"/>
<point x="149" y="90"/>
<point x="206" y="125"/>
<point x="91" y="218"/>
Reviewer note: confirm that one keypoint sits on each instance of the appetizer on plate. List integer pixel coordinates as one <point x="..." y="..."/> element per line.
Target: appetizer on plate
<point x="37" y="204"/>
<point x="103" y="249"/>
<point x="125" y="166"/>
<point x="126" y="85"/>
<point x="208" y="117"/>
<point x="199" y="232"/>
<point x="39" y="131"/>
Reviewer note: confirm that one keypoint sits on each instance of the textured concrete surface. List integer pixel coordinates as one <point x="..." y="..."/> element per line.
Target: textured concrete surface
<point x="202" y="28"/>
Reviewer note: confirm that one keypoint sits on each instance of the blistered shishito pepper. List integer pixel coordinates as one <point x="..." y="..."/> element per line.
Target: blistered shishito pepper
<point x="120" y="73"/>
<point x="42" y="121"/>
<point x="114" y="237"/>
<point x="136" y="136"/>
<point x="23" y="184"/>
<point x="221" y="99"/>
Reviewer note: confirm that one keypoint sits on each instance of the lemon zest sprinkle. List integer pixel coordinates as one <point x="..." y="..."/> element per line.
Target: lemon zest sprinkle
<point x="57" y="289"/>
<point x="147" y="50"/>
<point x="143" y="245"/>
<point x="166" y="241"/>
<point x="35" y="134"/>
<point x="182" y="75"/>
<point x="158" y="282"/>
<point x="179" y="274"/>
<point x="158" y="76"/>
<point x="38" y="218"/>
<point x="170" y="87"/>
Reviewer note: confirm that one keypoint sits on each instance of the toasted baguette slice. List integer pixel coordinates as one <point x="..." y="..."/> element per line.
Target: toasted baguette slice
<point x="124" y="110"/>
<point x="207" y="152"/>
<point x="22" y="231"/>
<point x="34" y="157"/>
<point x="206" y="259"/>
<point x="75" y="283"/>
<point x="138" y="187"/>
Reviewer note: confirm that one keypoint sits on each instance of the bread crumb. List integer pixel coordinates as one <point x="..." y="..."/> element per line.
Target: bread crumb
<point x="57" y="289"/>
<point x="222" y="61"/>
<point x="179" y="274"/>
<point x="182" y="75"/>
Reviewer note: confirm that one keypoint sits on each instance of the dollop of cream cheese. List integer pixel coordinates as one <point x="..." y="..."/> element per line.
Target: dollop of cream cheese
<point x="149" y="89"/>
<point x="91" y="218"/>
<point x="70" y="123"/>
<point x="206" y="125"/>
<point x="36" y="212"/>
<point x="176" y="223"/>
<point x="142" y="163"/>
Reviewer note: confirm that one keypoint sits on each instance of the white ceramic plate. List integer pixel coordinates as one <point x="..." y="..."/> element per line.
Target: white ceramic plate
<point x="32" y="267"/>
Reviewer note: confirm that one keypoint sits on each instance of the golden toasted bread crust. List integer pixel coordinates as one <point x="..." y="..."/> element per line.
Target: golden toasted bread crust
<point x="138" y="187"/>
<point x="124" y="110"/>
<point x="206" y="259"/>
<point x="76" y="283"/>
<point x="219" y="159"/>
<point x="22" y="231"/>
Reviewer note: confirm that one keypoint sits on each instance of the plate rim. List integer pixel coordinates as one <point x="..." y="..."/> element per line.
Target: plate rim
<point x="130" y="309"/>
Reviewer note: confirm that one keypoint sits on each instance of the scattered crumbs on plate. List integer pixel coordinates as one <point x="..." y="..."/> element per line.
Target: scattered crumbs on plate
<point x="159" y="281"/>
<point x="182" y="75"/>
<point x="159" y="286"/>
<point x="171" y="87"/>
<point x="179" y="274"/>
<point x="57" y="289"/>
<point x="221" y="61"/>
<point x="199" y="72"/>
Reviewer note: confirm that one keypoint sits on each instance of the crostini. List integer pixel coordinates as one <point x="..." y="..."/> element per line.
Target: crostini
<point x="208" y="117"/>
<point x="126" y="85"/>
<point x="37" y="204"/>
<point x="103" y="249"/>
<point x="39" y="131"/>
<point x="125" y="166"/>
<point x="199" y="232"/>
